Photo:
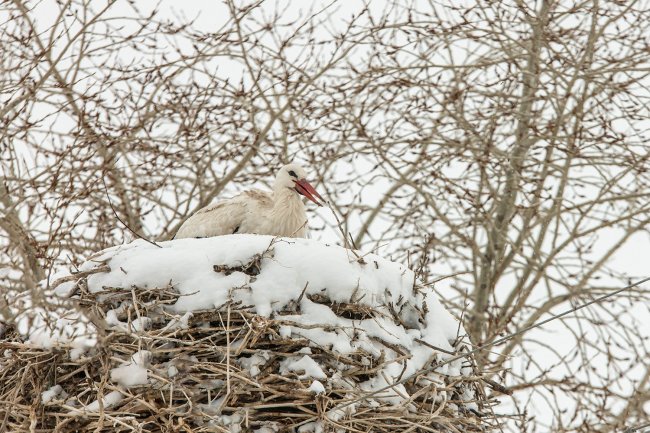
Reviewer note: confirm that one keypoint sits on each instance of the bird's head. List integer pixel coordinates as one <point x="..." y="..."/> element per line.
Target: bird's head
<point x="293" y="176"/>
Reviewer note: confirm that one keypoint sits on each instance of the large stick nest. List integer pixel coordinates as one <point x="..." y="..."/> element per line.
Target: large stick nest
<point x="219" y="370"/>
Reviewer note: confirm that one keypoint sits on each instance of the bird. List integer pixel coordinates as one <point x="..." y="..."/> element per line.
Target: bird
<point x="280" y="212"/>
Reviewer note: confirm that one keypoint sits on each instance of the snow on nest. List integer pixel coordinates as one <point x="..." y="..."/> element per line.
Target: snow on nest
<point x="133" y="372"/>
<point x="280" y="274"/>
<point x="283" y="273"/>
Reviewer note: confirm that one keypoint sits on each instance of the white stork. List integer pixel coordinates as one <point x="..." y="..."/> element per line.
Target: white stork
<point x="279" y="213"/>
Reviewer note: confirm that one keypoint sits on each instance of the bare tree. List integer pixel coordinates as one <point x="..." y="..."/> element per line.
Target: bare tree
<point x="501" y="142"/>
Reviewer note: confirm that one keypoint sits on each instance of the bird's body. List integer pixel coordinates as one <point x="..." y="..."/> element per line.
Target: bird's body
<point x="279" y="213"/>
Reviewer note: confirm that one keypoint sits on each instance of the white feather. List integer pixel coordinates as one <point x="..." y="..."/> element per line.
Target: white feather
<point x="279" y="213"/>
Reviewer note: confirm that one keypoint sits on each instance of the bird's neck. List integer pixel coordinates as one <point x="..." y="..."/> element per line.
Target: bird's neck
<point x="286" y="200"/>
<point x="288" y="211"/>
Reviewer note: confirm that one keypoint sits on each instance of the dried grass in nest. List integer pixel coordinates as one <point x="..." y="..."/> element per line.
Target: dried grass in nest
<point x="206" y="356"/>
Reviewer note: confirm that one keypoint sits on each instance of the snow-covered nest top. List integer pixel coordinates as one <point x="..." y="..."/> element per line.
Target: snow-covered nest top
<point x="246" y="332"/>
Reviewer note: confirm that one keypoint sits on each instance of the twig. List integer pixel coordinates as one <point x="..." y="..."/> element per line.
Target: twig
<point x="636" y="428"/>
<point x="439" y="349"/>
<point x="120" y="219"/>
<point x="302" y="293"/>
<point x="444" y="277"/>
<point x="78" y="275"/>
<point x="346" y="241"/>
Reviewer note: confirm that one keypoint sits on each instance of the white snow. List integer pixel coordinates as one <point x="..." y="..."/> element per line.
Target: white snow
<point x="208" y="273"/>
<point x="134" y="372"/>
<point x="135" y="325"/>
<point x="305" y="365"/>
<point x="337" y="413"/>
<point x="179" y="322"/>
<point x="77" y="353"/>
<point x="214" y="407"/>
<point x="140" y="324"/>
<point x="253" y="363"/>
<point x="231" y="422"/>
<point x="293" y="263"/>
<point x="285" y="331"/>
<point x="109" y="400"/>
<point x="52" y="393"/>
<point x="317" y="387"/>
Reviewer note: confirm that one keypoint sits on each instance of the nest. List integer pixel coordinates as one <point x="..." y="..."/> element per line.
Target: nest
<point x="225" y="369"/>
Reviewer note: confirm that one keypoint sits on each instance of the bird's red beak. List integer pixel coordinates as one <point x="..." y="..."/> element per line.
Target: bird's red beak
<point x="303" y="187"/>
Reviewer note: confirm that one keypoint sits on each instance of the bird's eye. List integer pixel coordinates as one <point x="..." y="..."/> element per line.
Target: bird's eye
<point x="292" y="173"/>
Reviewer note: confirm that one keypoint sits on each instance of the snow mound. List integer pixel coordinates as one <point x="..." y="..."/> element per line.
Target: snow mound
<point x="134" y="372"/>
<point x="264" y="272"/>
<point x="327" y="286"/>
<point x="266" y="333"/>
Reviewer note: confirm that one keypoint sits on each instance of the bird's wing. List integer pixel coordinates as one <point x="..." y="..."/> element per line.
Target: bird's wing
<point x="217" y="219"/>
<point x="260" y="200"/>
